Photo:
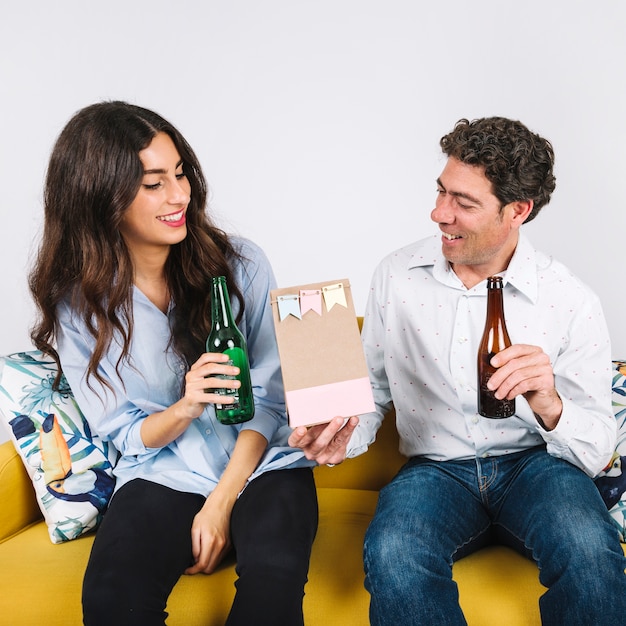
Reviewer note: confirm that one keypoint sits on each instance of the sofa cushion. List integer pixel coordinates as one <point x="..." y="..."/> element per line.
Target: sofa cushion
<point x="334" y="596"/>
<point x="612" y="481"/>
<point x="71" y="470"/>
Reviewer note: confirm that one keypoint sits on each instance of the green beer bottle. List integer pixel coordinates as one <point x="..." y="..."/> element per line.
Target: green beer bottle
<point x="225" y="337"/>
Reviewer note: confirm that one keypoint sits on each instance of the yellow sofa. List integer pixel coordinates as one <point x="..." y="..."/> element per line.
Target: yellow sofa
<point x="40" y="582"/>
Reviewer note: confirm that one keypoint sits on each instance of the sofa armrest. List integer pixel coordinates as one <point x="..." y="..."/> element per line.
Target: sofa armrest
<point x="19" y="505"/>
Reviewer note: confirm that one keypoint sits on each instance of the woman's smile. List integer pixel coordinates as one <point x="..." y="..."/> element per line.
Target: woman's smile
<point x="174" y="219"/>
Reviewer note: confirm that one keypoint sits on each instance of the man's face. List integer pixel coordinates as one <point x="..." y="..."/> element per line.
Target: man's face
<point x="479" y="235"/>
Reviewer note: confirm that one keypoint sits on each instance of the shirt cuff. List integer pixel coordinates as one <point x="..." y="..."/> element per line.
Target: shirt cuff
<point x="262" y="423"/>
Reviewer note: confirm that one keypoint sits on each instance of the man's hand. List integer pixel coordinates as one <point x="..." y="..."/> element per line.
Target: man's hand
<point x="526" y="370"/>
<point x="324" y="443"/>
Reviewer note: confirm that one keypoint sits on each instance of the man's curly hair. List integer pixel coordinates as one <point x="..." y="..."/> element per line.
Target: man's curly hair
<point x="518" y="162"/>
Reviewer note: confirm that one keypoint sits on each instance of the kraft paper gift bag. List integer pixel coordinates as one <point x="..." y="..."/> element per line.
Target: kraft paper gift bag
<point x="322" y="359"/>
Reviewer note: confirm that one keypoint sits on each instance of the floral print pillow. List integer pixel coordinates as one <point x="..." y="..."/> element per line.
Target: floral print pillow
<point x="612" y="481"/>
<point x="71" y="469"/>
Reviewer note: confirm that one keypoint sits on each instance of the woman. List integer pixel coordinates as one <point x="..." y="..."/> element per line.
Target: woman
<point x="123" y="284"/>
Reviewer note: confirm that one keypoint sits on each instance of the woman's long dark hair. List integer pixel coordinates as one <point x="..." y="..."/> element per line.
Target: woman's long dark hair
<point x="93" y="176"/>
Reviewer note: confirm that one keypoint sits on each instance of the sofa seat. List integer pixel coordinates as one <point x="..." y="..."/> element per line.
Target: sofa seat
<point x="40" y="582"/>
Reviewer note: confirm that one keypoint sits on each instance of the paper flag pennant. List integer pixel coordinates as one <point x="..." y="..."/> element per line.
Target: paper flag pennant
<point x="310" y="300"/>
<point x="334" y="294"/>
<point x="288" y="305"/>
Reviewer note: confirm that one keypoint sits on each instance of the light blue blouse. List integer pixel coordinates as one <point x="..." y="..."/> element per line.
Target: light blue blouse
<point x="152" y="381"/>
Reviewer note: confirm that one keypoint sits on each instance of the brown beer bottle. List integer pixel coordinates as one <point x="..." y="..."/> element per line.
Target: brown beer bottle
<point x="495" y="339"/>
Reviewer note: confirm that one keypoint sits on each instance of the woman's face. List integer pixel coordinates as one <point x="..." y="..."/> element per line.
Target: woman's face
<point x="156" y="218"/>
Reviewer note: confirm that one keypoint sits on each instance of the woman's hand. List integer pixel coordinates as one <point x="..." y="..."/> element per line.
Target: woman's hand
<point x="210" y="537"/>
<point x="201" y="381"/>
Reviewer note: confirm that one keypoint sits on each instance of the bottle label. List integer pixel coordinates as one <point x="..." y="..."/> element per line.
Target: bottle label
<point x="242" y="409"/>
<point x="238" y="359"/>
<point x="490" y="406"/>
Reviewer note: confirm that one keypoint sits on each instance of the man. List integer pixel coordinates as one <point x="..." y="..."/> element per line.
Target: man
<point x="525" y="480"/>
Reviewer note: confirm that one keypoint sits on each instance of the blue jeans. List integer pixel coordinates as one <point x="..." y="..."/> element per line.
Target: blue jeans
<point x="433" y="513"/>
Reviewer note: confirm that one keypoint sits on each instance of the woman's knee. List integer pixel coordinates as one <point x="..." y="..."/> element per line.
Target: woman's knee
<point x="104" y="602"/>
<point x="274" y="524"/>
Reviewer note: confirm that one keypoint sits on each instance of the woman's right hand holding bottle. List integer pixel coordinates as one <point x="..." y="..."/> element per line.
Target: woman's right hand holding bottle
<point x="210" y="374"/>
<point x="205" y="376"/>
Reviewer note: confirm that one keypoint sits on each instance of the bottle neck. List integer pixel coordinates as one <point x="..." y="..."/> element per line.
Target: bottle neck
<point x="495" y="307"/>
<point x="221" y="313"/>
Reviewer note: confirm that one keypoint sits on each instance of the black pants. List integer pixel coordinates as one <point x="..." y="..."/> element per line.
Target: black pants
<point x="144" y="545"/>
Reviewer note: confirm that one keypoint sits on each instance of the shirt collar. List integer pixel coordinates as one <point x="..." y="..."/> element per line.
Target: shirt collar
<point x="520" y="274"/>
<point x="522" y="270"/>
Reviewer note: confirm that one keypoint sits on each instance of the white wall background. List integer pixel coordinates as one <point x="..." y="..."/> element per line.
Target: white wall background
<point x="317" y="123"/>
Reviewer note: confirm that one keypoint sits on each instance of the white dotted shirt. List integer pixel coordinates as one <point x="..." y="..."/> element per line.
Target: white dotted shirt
<point x="421" y="333"/>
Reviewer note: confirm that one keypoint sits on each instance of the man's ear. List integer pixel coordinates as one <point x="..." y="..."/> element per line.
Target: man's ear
<point x="520" y="210"/>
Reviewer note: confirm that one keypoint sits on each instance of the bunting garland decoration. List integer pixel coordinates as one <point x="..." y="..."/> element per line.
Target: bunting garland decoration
<point x="288" y="305"/>
<point x="298" y="304"/>
<point x="334" y="294"/>
<point x="310" y="300"/>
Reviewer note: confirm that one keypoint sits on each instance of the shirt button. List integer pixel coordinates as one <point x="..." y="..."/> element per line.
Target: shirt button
<point x="475" y="419"/>
<point x="208" y="431"/>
